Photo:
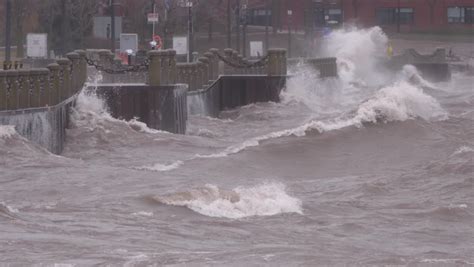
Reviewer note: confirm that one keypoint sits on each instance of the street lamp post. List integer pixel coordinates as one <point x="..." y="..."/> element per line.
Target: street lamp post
<point x="112" y="22"/>
<point x="290" y="14"/>
<point x="237" y="19"/>
<point x="267" y="23"/>
<point x="244" y="30"/>
<point x="189" y="5"/>
<point x="8" y="33"/>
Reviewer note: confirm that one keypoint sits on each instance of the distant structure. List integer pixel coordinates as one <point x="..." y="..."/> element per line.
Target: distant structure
<point x="413" y="15"/>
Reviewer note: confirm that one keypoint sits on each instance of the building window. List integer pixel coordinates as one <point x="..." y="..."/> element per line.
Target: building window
<point x="388" y="16"/>
<point x="406" y="16"/>
<point x="461" y="15"/>
<point x="259" y="17"/>
<point x="333" y="16"/>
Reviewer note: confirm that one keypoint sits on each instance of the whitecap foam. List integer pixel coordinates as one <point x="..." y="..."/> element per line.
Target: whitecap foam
<point x="91" y="112"/>
<point x="462" y="150"/>
<point x="158" y="167"/>
<point x="7" y="131"/>
<point x="262" y="200"/>
<point x="143" y="213"/>
<point x="400" y="102"/>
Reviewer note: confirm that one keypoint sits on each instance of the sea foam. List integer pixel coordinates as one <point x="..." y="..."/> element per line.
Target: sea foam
<point x="262" y="200"/>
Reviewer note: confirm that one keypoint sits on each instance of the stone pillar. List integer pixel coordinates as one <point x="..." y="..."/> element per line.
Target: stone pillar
<point x="3" y="91"/>
<point x="54" y="83"/>
<point x="283" y="64"/>
<point x="82" y="67"/>
<point x="228" y="55"/>
<point x="194" y="76"/>
<point x="272" y="66"/>
<point x="154" y="69"/>
<point x="195" y="56"/>
<point x="165" y="67"/>
<point x="65" y="78"/>
<point x="23" y="89"/>
<point x="104" y="58"/>
<point x="172" y="66"/>
<point x="210" y="66"/>
<point x="44" y="87"/>
<point x="217" y="71"/>
<point x="75" y="71"/>
<point x="205" y="71"/>
<point x="35" y="90"/>
<point x="12" y="89"/>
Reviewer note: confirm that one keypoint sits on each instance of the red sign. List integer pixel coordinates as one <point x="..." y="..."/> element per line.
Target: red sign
<point x="157" y="39"/>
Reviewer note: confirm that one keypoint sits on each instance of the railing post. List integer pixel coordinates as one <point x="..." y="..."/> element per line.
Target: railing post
<point x="44" y="87"/>
<point x="12" y="89"/>
<point x="65" y="76"/>
<point x="165" y="67"/>
<point x="210" y="66"/>
<point x="228" y="55"/>
<point x="23" y="88"/>
<point x="54" y="82"/>
<point x="205" y="70"/>
<point x="215" y="63"/>
<point x="235" y="58"/>
<point x="272" y="67"/>
<point x="82" y="67"/>
<point x="154" y="69"/>
<point x="172" y="66"/>
<point x="3" y="91"/>
<point x="35" y="88"/>
<point x="75" y="69"/>
<point x="283" y="63"/>
<point x="104" y="58"/>
<point x="194" y="75"/>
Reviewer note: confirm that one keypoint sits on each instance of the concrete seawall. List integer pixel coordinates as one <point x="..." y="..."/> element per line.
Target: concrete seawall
<point x="43" y="126"/>
<point x="160" y="107"/>
<point x="234" y="91"/>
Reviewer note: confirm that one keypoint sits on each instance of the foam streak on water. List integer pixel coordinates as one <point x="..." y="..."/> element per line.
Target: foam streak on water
<point x="262" y="200"/>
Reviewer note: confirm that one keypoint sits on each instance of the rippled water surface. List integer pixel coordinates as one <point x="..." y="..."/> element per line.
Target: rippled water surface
<point x="357" y="170"/>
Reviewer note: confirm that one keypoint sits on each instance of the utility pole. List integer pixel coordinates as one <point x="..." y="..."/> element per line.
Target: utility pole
<point x="112" y="22"/>
<point x="229" y="25"/>
<point x="267" y="24"/>
<point x="398" y="16"/>
<point x="189" y="5"/>
<point x="153" y="10"/>
<point x="8" y="22"/>
<point x="290" y="14"/>
<point x="244" y="31"/>
<point x="237" y="16"/>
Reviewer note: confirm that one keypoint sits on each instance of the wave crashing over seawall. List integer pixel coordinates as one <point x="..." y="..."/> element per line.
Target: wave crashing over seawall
<point x="262" y="200"/>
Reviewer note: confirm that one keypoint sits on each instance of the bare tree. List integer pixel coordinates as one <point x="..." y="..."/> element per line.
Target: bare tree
<point x="82" y="24"/>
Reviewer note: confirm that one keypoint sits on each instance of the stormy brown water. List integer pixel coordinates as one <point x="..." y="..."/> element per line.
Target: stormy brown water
<point x="340" y="172"/>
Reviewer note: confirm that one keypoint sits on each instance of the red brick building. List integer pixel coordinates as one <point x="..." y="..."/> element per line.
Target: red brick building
<point x="392" y="15"/>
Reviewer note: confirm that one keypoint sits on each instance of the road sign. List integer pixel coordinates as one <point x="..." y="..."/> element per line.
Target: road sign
<point x="37" y="45"/>
<point x="153" y="18"/>
<point x="256" y="49"/>
<point x="180" y="45"/>
<point x="128" y="41"/>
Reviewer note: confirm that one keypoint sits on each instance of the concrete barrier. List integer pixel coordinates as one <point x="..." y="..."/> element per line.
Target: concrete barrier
<point x="234" y="91"/>
<point x="433" y="67"/>
<point x="160" y="107"/>
<point x="44" y="126"/>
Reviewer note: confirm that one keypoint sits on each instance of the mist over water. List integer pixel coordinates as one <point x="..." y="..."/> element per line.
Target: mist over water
<point x="371" y="168"/>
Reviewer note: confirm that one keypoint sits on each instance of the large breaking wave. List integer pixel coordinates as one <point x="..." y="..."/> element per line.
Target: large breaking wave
<point x="261" y="200"/>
